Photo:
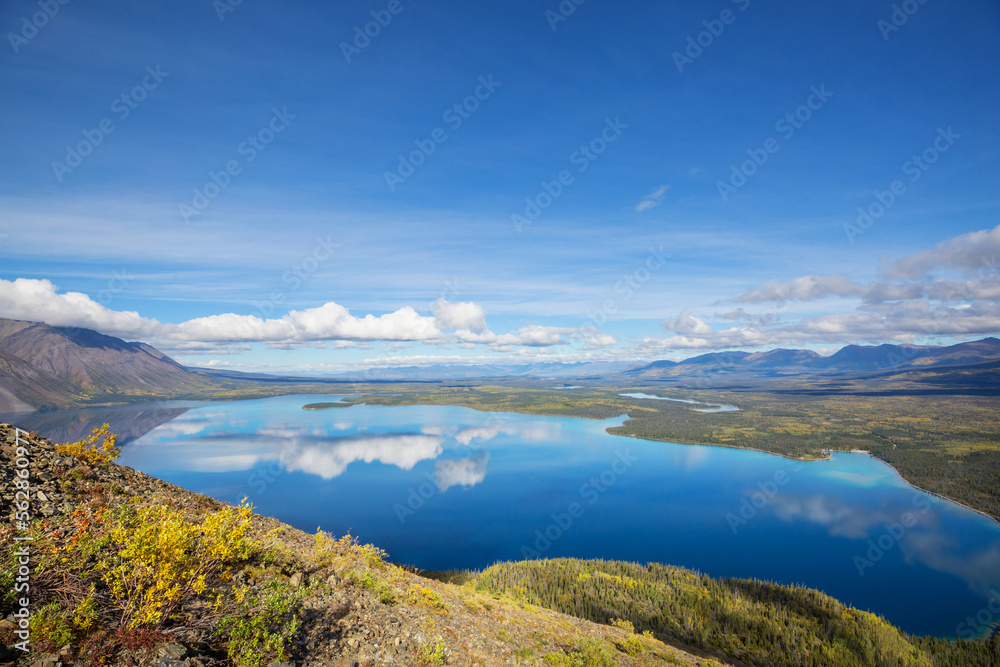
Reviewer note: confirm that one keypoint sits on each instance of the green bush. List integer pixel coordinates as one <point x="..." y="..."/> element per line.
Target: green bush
<point x="260" y="627"/>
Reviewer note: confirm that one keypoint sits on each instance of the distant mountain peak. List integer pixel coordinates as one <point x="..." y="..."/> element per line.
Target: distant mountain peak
<point x="861" y="358"/>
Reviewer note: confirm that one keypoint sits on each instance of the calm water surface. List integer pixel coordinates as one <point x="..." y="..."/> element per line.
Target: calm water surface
<point x="713" y="407"/>
<point x="447" y="487"/>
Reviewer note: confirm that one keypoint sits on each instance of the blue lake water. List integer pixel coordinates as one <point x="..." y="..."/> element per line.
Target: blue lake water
<point x="447" y="487"/>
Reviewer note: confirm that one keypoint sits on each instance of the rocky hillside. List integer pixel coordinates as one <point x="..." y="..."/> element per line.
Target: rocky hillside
<point x="129" y="570"/>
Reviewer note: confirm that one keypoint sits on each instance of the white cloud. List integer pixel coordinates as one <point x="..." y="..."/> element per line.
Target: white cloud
<point x="226" y="333"/>
<point x="987" y="287"/>
<point x="653" y="199"/>
<point x="687" y="324"/>
<point x="465" y="315"/>
<point x="903" y="321"/>
<point x="438" y="430"/>
<point x="908" y="303"/>
<point x="652" y="344"/>
<point x="975" y="251"/>
<point x="331" y="321"/>
<point x="593" y="338"/>
<point x="531" y="336"/>
<point x="805" y="288"/>
<point x="38" y="301"/>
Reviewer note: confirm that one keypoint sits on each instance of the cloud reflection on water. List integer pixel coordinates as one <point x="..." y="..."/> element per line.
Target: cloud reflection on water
<point x="210" y="447"/>
<point x="460" y="472"/>
<point x="922" y="543"/>
<point x="207" y="445"/>
<point x="330" y="459"/>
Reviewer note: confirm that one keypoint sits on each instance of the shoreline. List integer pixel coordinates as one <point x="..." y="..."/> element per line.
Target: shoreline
<point x="826" y="457"/>
<point x="935" y="494"/>
<point x="828" y="452"/>
<point x="717" y="444"/>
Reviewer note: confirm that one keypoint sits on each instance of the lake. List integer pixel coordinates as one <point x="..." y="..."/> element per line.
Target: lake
<point x="448" y="487"/>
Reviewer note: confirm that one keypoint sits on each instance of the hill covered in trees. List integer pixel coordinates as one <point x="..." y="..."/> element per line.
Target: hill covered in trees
<point x="746" y="621"/>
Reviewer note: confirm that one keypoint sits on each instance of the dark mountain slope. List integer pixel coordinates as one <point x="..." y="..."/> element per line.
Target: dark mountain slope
<point x="24" y="387"/>
<point x="45" y="366"/>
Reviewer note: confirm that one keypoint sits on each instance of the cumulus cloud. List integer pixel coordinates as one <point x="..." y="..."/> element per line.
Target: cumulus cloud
<point x="592" y="338"/>
<point x="810" y="288"/>
<point x="687" y="324"/>
<point x="465" y="315"/>
<point x="741" y="315"/>
<point x="531" y="336"/>
<point x="331" y="321"/>
<point x="987" y="287"/>
<point x="39" y="301"/>
<point x="909" y="301"/>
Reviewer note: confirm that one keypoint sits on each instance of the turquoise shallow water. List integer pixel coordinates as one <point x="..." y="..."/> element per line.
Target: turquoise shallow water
<point x="446" y="487"/>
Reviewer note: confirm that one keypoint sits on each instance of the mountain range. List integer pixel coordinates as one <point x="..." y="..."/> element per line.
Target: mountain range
<point x="852" y="358"/>
<point x="46" y="367"/>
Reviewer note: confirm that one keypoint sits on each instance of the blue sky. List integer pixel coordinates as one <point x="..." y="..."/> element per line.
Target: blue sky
<point x="638" y="257"/>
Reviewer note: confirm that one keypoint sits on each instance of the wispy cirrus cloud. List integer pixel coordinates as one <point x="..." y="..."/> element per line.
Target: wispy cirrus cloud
<point x="653" y="199"/>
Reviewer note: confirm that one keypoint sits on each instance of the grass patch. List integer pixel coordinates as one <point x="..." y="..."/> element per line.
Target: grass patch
<point x="369" y="580"/>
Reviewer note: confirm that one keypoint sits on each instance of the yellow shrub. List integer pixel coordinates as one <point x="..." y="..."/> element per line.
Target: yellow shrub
<point x="87" y="449"/>
<point x="162" y="559"/>
<point x="330" y="552"/>
<point x="427" y="598"/>
<point x="373" y="556"/>
<point x="86" y="611"/>
<point x="623" y="624"/>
